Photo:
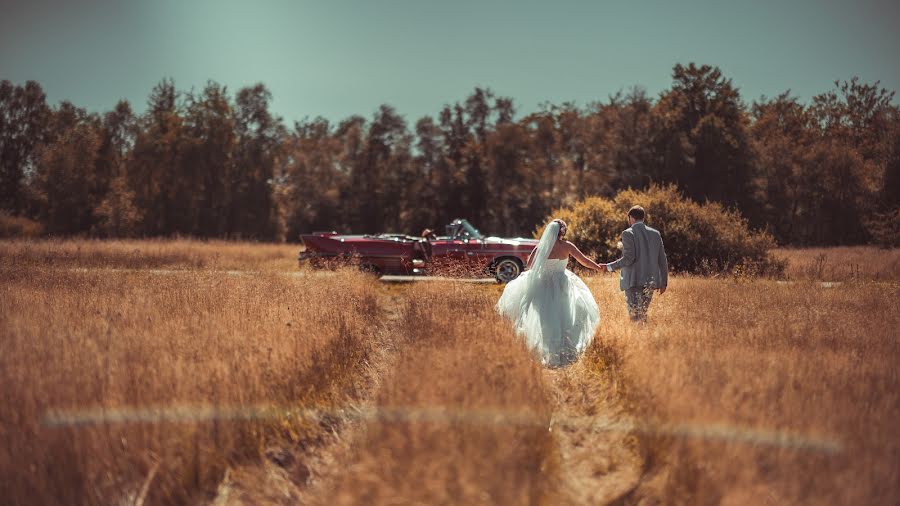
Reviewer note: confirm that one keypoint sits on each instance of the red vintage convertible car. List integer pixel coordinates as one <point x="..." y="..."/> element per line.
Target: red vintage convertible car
<point x="462" y="251"/>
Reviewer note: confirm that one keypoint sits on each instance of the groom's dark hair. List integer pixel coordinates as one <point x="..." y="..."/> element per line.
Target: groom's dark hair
<point x="637" y="212"/>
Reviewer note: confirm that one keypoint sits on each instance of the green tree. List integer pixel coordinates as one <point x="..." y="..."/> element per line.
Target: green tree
<point x="478" y="109"/>
<point x="65" y="178"/>
<point x="351" y="134"/>
<point x="634" y="159"/>
<point x="541" y="178"/>
<point x="507" y="151"/>
<point x="890" y="191"/>
<point x="387" y="157"/>
<point x="427" y="161"/>
<point x="851" y="127"/>
<point x="838" y="192"/>
<point x="309" y="190"/>
<point x="152" y="170"/>
<point x="884" y="226"/>
<point x="455" y="134"/>
<point x="206" y="158"/>
<point x="24" y="123"/>
<point x="117" y="134"/>
<point x="259" y="137"/>
<point x="857" y="114"/>
<point x="702" y="137"/>
<point x="786" y="178"/>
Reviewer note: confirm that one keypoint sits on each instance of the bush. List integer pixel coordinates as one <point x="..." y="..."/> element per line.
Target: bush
<point x="699" y="238"/>
<point x="18" y="226"/>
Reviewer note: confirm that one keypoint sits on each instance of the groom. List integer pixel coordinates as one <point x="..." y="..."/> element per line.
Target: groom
<point x="643" y="264"/>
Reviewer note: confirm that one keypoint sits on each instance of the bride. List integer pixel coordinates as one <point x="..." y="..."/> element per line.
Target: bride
<point x="550" y="305"/>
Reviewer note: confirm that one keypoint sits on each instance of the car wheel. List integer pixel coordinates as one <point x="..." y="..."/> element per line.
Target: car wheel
<point x="507" y="269"/>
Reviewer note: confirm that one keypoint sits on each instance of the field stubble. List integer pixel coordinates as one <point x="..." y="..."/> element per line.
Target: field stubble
<point x="138" y="343"/>
<point x="856" y="263"/>
<point x="463" y="412"/>
<point x="737" y="356"/>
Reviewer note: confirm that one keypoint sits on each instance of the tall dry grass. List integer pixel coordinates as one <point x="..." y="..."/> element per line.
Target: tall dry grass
<point x="841" y="264"/>
<point x="725" y="358"/>
<point x="460" y="412"/>
<point x="132" y="341"/>
<point x="180" y="254"/>
<point x="466" y="413"/>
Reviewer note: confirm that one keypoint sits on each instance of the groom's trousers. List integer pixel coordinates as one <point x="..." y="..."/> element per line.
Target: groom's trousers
<point x="638" y="299"/>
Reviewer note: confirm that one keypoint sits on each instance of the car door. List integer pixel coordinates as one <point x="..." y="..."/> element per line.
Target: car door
<point x="448" y="257"/>
<point x="478" y="257"/>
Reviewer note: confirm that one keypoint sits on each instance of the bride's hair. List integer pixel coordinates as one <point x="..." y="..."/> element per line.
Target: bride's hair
<point x="562" y="228"/>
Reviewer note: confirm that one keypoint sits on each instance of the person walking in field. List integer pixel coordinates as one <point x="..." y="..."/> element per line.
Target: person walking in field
<point x="549" y="304"/>
<point x="643" y="265"/>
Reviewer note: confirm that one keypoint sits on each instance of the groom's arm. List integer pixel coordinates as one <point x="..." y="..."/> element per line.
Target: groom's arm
<point x="663" y="268"/>
<point x="627" y="252"/>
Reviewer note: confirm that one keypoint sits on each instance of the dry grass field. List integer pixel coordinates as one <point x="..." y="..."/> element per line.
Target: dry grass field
<point x="110" y="340"/>
<point x="458" y="375"/>
<point x="184" y="372"/>
<point x="842" y="264"/>
<point x="764" y="393"/>
<point x="148" y="254"/>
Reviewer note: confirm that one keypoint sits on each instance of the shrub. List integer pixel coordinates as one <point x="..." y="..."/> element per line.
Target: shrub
<point x="18" y="226"/>
<point x="699" y="238"/>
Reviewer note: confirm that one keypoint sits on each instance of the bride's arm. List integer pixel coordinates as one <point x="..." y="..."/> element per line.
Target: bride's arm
<point x="584" y="260"/>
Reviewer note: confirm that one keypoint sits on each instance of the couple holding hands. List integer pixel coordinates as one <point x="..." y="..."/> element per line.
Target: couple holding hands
<point x="552" y="307"/>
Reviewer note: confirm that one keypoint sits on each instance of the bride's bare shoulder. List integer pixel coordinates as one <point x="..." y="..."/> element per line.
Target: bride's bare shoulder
<point x="561" y="248"/>
<point x="571" y="248"/>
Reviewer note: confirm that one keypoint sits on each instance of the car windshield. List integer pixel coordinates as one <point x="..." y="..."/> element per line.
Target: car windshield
<point x="462" y="230"/>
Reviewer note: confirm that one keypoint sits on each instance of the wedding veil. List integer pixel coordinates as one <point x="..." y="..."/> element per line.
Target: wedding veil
<point x="543" y="249"/>
<point x="519" y="307"/>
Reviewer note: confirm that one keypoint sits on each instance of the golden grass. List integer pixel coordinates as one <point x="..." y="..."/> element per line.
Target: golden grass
<point x="461" y="413"/>
<point x="842" y="264"/>
<point x="121" y="340"/>
<point x="182" y="254"/>
<point x="795" y="359"/>
<point x="474" y="378"/>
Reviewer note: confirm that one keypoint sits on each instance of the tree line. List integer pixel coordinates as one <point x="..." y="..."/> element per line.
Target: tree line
<point x="208" y="163"/>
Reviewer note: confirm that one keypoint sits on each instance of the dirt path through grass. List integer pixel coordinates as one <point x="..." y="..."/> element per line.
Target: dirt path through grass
<point x="299" y="474"/>
<point x="325" y="464"/>
<point x="599" y="462"/>
<point x="458" y="412"/>
<point x="539" y="421"/>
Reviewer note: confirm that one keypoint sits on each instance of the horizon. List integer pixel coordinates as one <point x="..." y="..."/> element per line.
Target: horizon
<point x="344" y="59"/>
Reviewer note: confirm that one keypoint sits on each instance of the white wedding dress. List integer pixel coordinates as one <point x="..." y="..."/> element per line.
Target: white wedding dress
<point x="551" y="307"/>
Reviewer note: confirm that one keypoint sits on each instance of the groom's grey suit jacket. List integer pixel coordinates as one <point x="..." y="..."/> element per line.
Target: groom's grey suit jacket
<point x="643" y="259"/>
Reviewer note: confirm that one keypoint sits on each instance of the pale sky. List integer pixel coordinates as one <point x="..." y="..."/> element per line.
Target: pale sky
<point x="335" y="58"/>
